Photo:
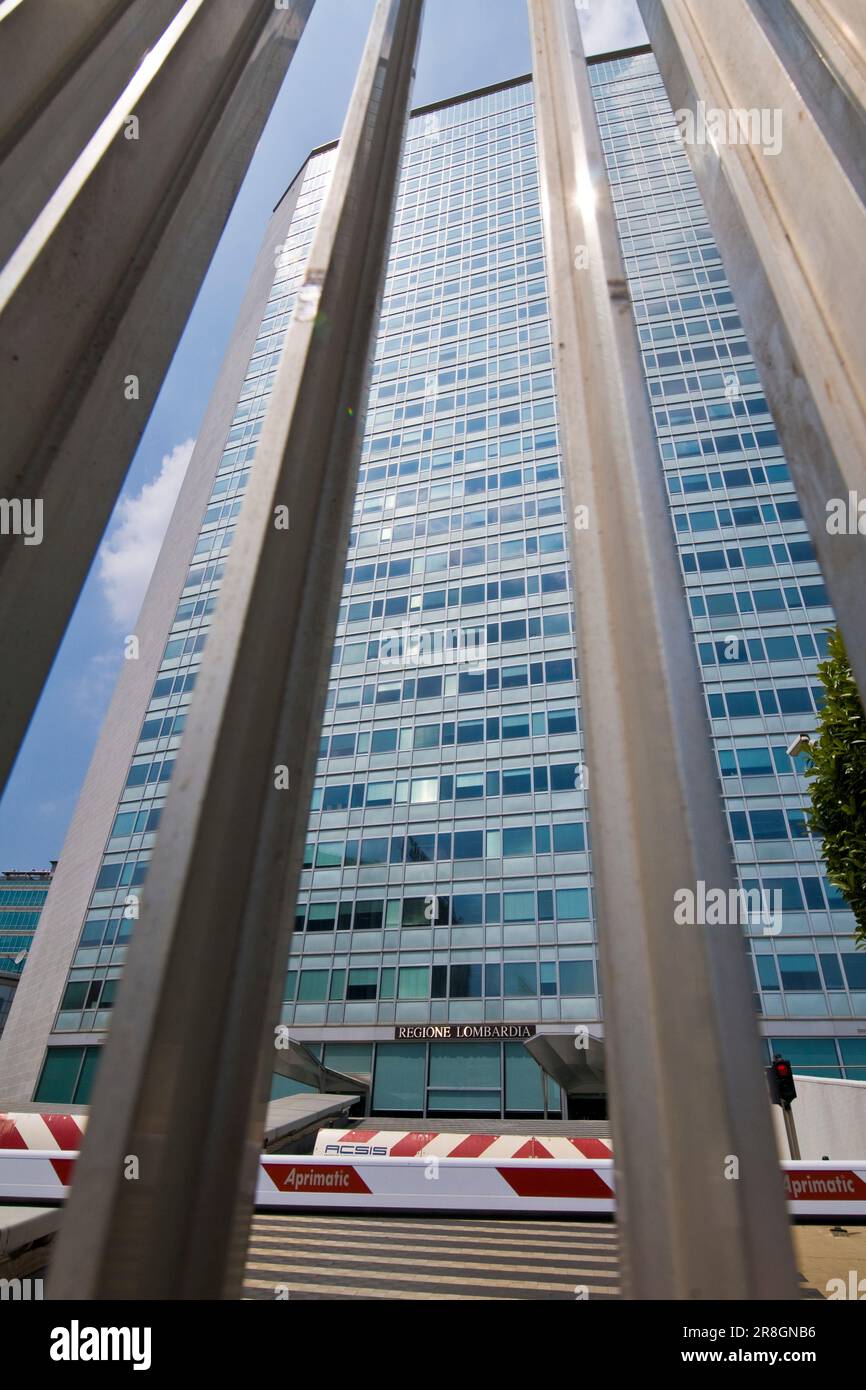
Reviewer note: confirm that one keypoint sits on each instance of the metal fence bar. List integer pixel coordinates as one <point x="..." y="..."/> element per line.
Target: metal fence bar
<point x="137" y="125"/>
<point x="699" y="1198"/>
<point x="183" y="1083"/>
<point x="798" y="277"/>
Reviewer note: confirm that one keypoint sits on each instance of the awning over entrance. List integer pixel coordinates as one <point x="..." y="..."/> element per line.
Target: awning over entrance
<point x="577" y="1068"/>
<point x="296" y="1062"/>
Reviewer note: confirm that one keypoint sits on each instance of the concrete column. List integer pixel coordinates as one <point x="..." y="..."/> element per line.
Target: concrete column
<point x="784" y="190"/>
<point x="29" y="1027"/>
<point x="187" y="1066"/>
<point x="686" y="1087"/>
<point x="126" y="167"/>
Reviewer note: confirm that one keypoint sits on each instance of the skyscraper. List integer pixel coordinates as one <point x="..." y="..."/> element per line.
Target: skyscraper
<point x="22" y="893"/>
<point x="445" y="913"/>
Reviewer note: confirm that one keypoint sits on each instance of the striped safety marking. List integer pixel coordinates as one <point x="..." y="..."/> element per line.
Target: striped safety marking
<point x="428" y="1183"/>
<point x="23" y="1129"/>
<point x="367" y="1143"/>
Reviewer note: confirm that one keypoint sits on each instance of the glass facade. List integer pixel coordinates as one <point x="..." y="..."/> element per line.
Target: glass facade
<point x="447" y="877"/>
<point x="21" y="899"/>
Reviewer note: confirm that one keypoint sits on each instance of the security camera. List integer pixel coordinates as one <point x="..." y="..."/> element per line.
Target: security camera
<point x="799" y="745"/>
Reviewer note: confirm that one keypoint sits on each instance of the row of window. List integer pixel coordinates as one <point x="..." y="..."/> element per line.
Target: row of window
<point x="486" y="592"/>
<point x="708" y="445"/>
<point x="425" y="646"/>
<point x="483" y="226"/>
<point x="749" y="704"/>
<point x="466" y="557"/>
<point x="464" y="786"/>
<point x="445" y="735"/>
<point x="751" y="514"/>
<point x="813" y="893"/>
<point x="22" y="897"/>
<point x="676" y="305"/>
<point x="753" y="600"/>
<point x="459" y="910"/>
<point x="733" y="650"/>
<point x="353" y="853"/>
<point x="531" y="330"/>
<point x="12" y="917"/>
<point x="758" y="556"/>
<point x="501" y="351"/>
<point x="518" y="676"/>
<point x="505" y="278"/>
<point x="469" y="376"/>
<point x="800" y="972"/>
<point x="443" y="523"/>
<point x="688" y="483"/>
<point x="472" y="485"/>
<point x="399" y="849"/>
<point x="715" y="352"/>
<point x="513" y="980"/>
<point x="768" y="825"/>
<point x="461" y="314"/>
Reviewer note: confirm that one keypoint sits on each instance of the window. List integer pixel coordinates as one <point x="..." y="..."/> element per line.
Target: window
<point x="313" y="986"/>
<point x="519" y="907"/>
<point x="413" y="982"/>
<point x="576" y="978"/>
<point x="572" y="904"/>
<point x="466" y="908"/>
<point x="520" y="979"/>
<point x="368" y="914"/>
<point x="568" y="839"/>
<point x="515" y="726"/>
<point x="468" y="844"/>
<point x="362" y="984"/>
<point x="67" y="1074"/>
<point x="854" y="965"/>
<point x="799" y="972"/>
<point x="516" y="781"/>
<point x="321" y="917"/>
<point x="517" y="841"/>
<point x="466" y="981"/>
<point x="383" y="741"/>
<point x="470" y="785"/>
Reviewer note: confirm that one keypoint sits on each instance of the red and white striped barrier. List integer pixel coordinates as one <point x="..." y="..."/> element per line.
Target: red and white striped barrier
<point x="432" y="1183"/>
<point x="581" y="1186"/>
<point x="23" y="1129"/>
<point x="34" y="1175"/>
<point x="428" y="1143"/>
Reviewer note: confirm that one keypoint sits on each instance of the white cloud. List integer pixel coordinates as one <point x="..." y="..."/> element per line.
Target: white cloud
<point x="610" y="24"/>
<point x="90" y="690"/>
<point x="128" y="555"/>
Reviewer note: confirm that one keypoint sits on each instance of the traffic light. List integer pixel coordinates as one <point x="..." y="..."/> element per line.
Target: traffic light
<point x="781" y="1080"/>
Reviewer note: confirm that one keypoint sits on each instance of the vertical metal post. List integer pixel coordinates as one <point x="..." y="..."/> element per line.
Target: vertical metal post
<point x="184" y="1080"/>
<point x="791" y="1131"/>
<point x="699" y="1195"/>
<point x="785" y="92"/>
<point x="134" y="125"/>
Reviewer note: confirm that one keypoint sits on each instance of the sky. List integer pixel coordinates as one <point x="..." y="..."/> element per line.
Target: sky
<point x="464" y="44"/>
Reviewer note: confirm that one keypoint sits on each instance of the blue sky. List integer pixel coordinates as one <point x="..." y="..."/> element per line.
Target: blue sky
<point x="465" y="44"/>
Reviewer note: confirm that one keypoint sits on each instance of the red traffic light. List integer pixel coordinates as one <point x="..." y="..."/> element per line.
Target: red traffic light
<point x="782" y="1087"/>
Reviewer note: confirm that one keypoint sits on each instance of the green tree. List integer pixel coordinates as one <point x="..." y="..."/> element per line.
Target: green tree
<point x="837" y="781"/>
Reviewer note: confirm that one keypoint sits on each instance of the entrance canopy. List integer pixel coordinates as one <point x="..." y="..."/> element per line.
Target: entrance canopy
<point x="574" y="1060"/>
